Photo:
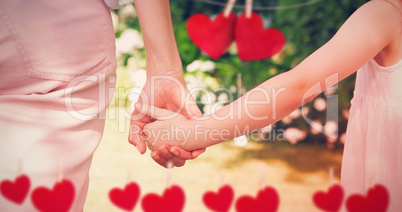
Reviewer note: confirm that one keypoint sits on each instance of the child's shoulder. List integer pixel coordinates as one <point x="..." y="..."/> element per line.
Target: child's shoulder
<point x="382" y="16"/>
<point x="384" y="20"/>
<point x="386" y="9"/>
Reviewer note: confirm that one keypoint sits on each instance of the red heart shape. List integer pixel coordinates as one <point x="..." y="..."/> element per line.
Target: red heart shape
<point x="330" y="201"/>
<point x="267" y="201"/>
<point x="60" y="198"/>
<point x="17" y="191"/>
<point x="127" y="198"/>
<point x="254" y="42"/>
<point x="172" y="200"/>
<point x="377" y="200"/>
<point x="212" y="37"/>
<point x="221" y="201"/>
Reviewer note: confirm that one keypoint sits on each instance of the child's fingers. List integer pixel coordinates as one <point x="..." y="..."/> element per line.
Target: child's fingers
<point x="155" y="112"/>
<point x="156" y="156"/>
<point x="197" y="152"/>
<point x="186" y="155"/>
<point x="164" y="149"/>
<point x="181" y="153"/>
<point x="178" y="162"/>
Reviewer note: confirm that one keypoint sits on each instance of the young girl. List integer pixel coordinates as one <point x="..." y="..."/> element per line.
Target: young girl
<point x="371" y="40"/>
<point x="57" y="76"/>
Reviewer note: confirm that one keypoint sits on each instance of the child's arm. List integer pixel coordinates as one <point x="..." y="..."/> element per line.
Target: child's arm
<point x="366" y="33"/>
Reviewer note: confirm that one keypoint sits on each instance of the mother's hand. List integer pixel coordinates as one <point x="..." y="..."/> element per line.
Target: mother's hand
<point x="167" y="92"/>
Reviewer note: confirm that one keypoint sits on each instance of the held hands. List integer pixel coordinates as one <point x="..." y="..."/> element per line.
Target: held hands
<point x="172" y="129"/>
<point x="172" y="94"/>
<point x="165" y="87"/>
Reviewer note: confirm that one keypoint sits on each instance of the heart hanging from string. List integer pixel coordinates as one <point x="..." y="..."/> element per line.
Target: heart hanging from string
<point x="60" y="198"/>
<point x="213" y="37"/>
<point x="172" y="200"/>
<point x="220" y="201"/>
<point x="254" y="42"/>
<point x="377" y="200"/>
<point x="267" y="200"/>
<point x="126" y="198"/>
<point x="16" y="191"/>
<point x="330" y="201"/>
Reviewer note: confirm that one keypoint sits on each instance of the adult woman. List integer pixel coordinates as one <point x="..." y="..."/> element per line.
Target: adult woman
<point x="57" y="63"/>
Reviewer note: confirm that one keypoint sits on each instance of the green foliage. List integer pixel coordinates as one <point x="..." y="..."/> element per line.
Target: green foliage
<point x="311" y="26"/>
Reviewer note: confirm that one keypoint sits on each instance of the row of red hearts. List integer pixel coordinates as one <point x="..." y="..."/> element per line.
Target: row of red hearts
<point x="61" y="197"/>
<point x="253" y="42"/>
<point x="266" y="200"/>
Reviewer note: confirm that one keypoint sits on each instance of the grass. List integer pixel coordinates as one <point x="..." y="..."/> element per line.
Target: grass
<point x="296" y="172"/>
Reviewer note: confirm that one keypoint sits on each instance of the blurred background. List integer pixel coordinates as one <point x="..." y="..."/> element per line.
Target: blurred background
<point x="297" y="151"/>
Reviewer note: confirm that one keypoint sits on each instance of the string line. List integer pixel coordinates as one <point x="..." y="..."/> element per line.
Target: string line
<point x="264" y="8"/>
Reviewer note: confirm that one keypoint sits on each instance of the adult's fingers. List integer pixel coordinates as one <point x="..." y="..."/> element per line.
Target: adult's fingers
<point x="135" y="135"/>
<point x="191" y="109"/>
<point x="196" y="113"/>
<point x="137" y="123"/>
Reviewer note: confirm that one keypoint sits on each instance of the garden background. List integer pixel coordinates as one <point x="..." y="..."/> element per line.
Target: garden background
<point x="296" y="164"/>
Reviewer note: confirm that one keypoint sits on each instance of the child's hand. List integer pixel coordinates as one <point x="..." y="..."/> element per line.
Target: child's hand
<point x="170" y="128"/>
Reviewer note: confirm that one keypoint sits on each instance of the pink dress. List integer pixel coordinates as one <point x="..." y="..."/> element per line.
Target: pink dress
<point x="57" y="67"/>
<point x="373" y="147"/>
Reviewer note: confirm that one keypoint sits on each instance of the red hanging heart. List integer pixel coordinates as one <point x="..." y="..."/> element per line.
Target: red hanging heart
<point x="377" y="200"/>
<point x="60" y="198"/>
<point x="16" y="191"/>
<point x="267" y="201"/>
<point x="221" y="201"/>
<point x="125" y="198"/>
<point x="212" y="37"/>
<point x="172" y="200"/>
<point x="254" y="42"/>
<point x="330" y="201"/>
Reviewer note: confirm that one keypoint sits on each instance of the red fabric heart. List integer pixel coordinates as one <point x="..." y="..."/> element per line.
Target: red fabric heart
<point x="377" y="200"/>
<point x="267" y="201"/>
<point x="127" y="198"/>
<point x="221" y="201"/>
<point x="212" y="37"/>
<point x="60" y="198"/>
<point x="16" y="191"/>
<point x="254" y="42"/>
<point x="172" y="200"/>
<point x="330" y="201"/>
